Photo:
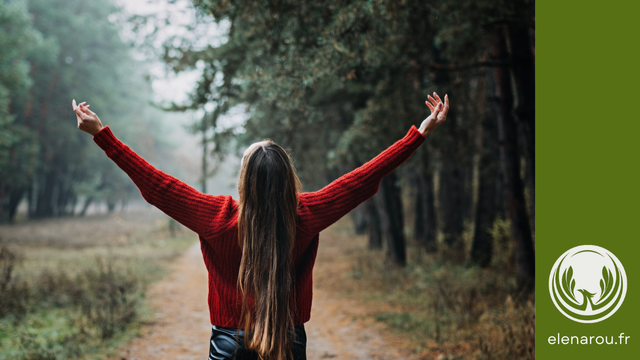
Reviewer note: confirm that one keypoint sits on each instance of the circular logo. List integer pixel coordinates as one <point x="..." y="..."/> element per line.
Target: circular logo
<point x="587" y="283"/>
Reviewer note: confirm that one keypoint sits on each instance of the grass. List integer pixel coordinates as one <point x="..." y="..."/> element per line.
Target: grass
<point x="82" y="301"/>
<point x="446" y="311"/>
<point x="64" y="302"/>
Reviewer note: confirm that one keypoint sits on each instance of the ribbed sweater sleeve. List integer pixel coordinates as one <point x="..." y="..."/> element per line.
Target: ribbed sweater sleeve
<point x="322" y="208"/>
<point x="197" y="211"/>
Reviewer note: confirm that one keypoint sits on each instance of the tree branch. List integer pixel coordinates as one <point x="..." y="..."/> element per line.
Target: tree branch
<point x="452" y="67"/>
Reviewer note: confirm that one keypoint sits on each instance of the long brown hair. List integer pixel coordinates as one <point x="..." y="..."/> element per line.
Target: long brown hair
<point x="268" y="187"/>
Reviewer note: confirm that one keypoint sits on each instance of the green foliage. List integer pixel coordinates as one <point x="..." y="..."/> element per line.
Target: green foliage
<point x="17" y="39"/>
<point x="337" y="81"/>
<point x="55" y="51"/>
<point x="13" y="292"/>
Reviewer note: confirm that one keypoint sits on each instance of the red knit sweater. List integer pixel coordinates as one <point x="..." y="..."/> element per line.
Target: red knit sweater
<point x="214" y="219"/>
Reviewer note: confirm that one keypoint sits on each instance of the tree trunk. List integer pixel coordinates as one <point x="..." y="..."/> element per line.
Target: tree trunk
<point x="508" y="137"/>
<point x="3" y="191"/>
<point x="487" y="207"/>
<point x="451" y="207"/>
<point x="72" y="204"/>
<point x="392" y="220"/>
<point x="14" y="200"/>
<point x="373" y="224"/>
<point x="523" y="72"/>
<point x="31" y="194"/>
<point x="62" y="200"/>
<point x="44" y="201"/>
<point x="425" y="225"/>
<point x="85" y="206"/>
<point x="467" y="196"/>
<point x="452" y="184"/>
<point x="111" y="204"/>
<point x="359" y="217"/>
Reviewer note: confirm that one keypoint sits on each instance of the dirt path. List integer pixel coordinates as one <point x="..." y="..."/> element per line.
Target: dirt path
<point x="340" y="327"/>
<point x="181" y="329"/>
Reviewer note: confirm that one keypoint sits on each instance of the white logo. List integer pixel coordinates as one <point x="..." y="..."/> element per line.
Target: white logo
<point x="587" y="283"/>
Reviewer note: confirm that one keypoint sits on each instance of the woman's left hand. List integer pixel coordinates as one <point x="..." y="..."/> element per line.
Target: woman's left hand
<point x="439" y="111"/>
<point x="88" y="121"/>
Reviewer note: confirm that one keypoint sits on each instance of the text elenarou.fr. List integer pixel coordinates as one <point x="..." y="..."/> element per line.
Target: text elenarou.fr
<point x="621" y="339"/>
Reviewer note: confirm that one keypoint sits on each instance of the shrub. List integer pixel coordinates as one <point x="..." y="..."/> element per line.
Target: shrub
<point x="457" y="311"/>
<point x="106" y="295"/>
<point x="110" y="298"/>
<point x="14" y="293"/>
<point x="34" y="348"/>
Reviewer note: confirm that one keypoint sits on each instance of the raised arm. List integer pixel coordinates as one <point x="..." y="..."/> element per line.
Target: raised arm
<point x="319" y="209"/>
<point x="200" y="212"/>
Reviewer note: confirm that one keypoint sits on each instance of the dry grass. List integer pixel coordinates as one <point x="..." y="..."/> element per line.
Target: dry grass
<point x="447" y="311"/>
<point x="81" y="299"/>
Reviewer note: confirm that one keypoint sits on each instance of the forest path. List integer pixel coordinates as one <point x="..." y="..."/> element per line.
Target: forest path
<point x="340" y="327"/>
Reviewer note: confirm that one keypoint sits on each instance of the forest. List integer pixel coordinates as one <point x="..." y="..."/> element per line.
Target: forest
<point x="337" y="82"/>
<point x="51" y="53"/>
<point x="333" y="82"/>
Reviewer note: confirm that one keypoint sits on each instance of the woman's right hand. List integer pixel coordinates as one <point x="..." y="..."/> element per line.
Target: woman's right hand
<point x="438" y="115"/>
<point x="88" y="121"/>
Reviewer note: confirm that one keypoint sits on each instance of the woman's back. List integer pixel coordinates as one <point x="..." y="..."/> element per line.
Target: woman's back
<point x="215" y="219"/>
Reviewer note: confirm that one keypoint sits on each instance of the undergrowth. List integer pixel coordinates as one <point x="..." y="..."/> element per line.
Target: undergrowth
<point x="449" y="311"/>
<point x="79" y="303"/>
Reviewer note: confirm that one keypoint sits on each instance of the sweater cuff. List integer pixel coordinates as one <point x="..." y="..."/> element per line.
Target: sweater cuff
<point x="415" y="135"/>
<point x="106" y="140"/>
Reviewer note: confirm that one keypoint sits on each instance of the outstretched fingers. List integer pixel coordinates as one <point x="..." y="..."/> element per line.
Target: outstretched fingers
<point x="429" y="105"/>
<point x="433" y="101"/>
<point x="77" y="107"/>
<point x="445" y="107"/>
<point x="437" y="97"/>
<point x="437" y="110"/>
<point x="446" y="104"/>
<point x="85" y="109"/>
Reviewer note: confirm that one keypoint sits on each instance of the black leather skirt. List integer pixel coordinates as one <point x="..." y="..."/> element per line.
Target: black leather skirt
<point x="228" y="344"/>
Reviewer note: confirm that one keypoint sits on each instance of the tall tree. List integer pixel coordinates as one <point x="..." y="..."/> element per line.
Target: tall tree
<point x="509" y="152"/>
<point x="523" y="73"/>
<point x="489" y="205"/>
<point x="18" y="39"/>
<point x="373" y="224"/>
<point x="425" y="213"/>
<point x="392" y="224"/>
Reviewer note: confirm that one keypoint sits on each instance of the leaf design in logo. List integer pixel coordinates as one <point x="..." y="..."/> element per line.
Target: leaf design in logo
<point x="606" y="284"/>
<point x="568" y="283"/>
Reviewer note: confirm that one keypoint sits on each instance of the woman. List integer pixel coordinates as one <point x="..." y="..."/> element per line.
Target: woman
<point x="260" y="251"/>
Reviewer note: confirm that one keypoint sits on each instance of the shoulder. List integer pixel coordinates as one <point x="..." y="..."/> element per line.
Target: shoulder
<point x="305" y="199"/>
<point x="306" y="215"/>
<point x="228" y="205"/>
<point x="223" y="210"/>
<point x="224" y="201"/>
